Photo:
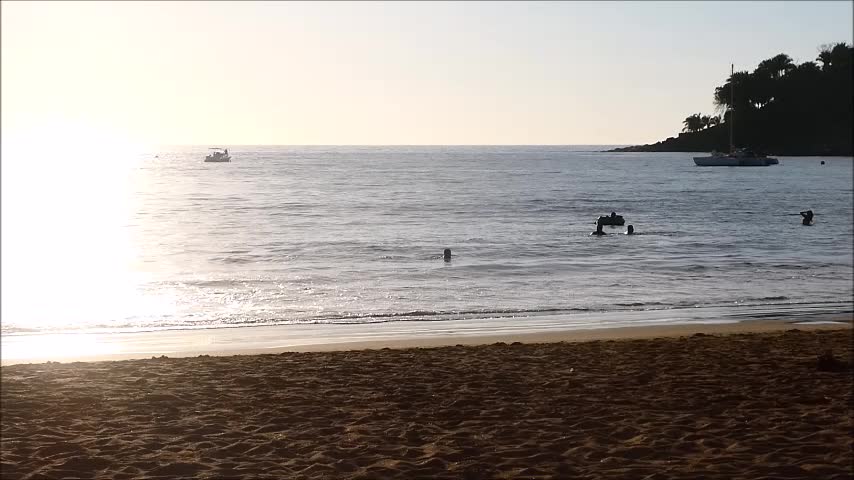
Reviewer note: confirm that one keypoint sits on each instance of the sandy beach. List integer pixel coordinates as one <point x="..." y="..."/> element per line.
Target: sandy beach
<point x="742" y="404"/>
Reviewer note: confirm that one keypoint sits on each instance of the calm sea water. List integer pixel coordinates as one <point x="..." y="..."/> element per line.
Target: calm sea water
<point x="289" y="235"/>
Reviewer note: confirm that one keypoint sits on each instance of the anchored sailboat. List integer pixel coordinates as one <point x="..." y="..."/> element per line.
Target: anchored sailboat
<point x="737" y="157"/>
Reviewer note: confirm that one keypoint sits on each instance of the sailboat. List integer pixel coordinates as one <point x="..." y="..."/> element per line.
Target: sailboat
<point x="737" y="157"/>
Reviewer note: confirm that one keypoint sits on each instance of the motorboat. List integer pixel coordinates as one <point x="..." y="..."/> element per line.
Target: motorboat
<point x="218" y="155"/>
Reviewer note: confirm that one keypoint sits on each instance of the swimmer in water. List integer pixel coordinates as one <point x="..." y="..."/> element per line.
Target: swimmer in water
<point x="807" y="217"/>
<point x="447" y="255"/>
<point x="599" y="231"/>
<point x="630" y="230"/>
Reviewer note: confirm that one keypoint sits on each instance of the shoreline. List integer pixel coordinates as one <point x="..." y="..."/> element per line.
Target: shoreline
<point x="85" y="347"/>
<point x="641" y="149"/>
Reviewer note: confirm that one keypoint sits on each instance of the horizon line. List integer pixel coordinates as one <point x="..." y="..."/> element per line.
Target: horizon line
<point x="400" y="144"/>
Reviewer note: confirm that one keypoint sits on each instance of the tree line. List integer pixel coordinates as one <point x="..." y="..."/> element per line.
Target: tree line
<point x="698" y="122"/>
<point x="780" y="108"/>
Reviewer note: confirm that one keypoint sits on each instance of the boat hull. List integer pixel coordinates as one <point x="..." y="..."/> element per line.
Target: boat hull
<point x="734" y="161"/>
<point x="219" y="155"/>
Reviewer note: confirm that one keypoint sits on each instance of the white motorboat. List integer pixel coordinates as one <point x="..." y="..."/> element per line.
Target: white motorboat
<point x="737" y="157"/>
<point x="218" y="155"/>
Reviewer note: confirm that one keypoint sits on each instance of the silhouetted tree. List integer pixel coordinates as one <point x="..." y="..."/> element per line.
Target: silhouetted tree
<point x="748" y="92"/>
<point x="775" y="67"/>
<point x="694" y="123"/>
<point x="781" y="107"/>
<point x="835" y="57"/>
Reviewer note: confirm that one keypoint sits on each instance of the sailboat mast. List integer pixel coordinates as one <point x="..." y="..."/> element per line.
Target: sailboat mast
<point x="732" y="105"/>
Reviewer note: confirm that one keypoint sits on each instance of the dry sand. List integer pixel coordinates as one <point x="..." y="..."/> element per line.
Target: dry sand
<point x="745" y="405"/>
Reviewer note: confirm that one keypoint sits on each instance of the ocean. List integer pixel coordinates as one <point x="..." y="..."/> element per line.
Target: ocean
<point x="355" y="235"/>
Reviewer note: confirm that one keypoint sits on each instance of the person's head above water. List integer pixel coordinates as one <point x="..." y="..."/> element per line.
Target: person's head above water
<point x="447" y="254"/>
<point x="613" y="214"/>
<point x="631" y="230"/>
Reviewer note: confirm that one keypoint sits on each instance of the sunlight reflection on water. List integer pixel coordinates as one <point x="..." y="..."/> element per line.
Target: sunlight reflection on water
<point x="112" y="240"/>
<point x="68" y="256"/>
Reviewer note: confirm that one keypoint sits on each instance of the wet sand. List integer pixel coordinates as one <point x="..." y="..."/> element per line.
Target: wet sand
<point x="713" y="405"/>
<point x="90" y="347"/>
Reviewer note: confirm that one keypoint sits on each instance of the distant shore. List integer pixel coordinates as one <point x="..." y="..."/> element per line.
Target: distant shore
<point x="717" y="138"/>
<point x="771" y="403"/>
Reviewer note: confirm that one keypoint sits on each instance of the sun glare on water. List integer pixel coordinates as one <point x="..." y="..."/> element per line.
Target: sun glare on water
<point x="67" y="202"/>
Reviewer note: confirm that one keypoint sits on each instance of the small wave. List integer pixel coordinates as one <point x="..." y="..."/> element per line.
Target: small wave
<point x="695" y="268"/>
<point x="449" y="313"/>
<point x="744" y="308"/>
<point x="639" y="304"/>
<point x="783" y="266"/>
<point x="659" y="233"/>
<point x="379" y="248"/>
<point x="238" y="259"/>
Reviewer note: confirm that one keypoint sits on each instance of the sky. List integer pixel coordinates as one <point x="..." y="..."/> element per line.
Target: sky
<point x="386" y="73"/>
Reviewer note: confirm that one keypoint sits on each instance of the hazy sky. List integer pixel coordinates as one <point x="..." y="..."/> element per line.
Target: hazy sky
<point x="388" y="73"/>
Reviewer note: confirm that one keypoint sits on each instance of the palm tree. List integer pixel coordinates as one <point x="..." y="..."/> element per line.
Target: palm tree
<point x="776" y="66"/>
<point x="714" y="121"/>
<point x="692" y="123"/>
<point x="766" y="79"/>
<point x="834" y="57"/>
<point x="744" y="87"/>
